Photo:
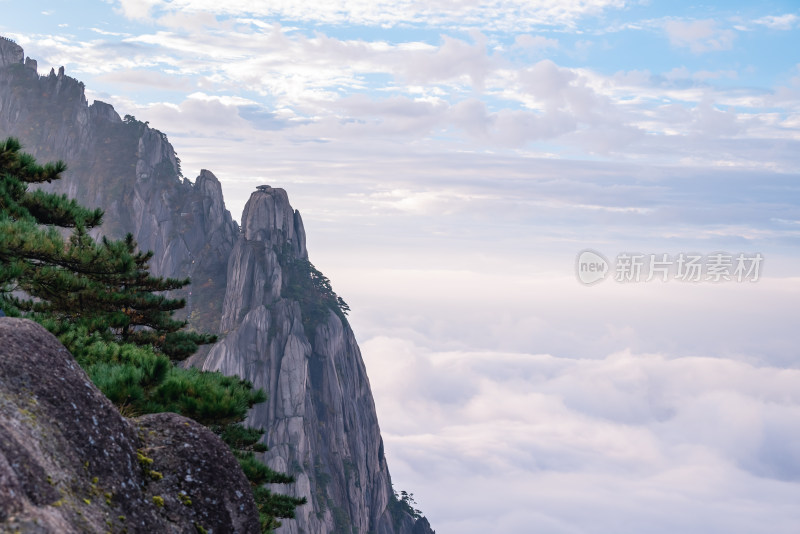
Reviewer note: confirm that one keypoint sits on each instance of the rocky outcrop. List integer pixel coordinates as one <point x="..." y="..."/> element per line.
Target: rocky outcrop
<point x="10" y="52"/>
<point x="320" y="418"/>
<point x="70" y="463"/>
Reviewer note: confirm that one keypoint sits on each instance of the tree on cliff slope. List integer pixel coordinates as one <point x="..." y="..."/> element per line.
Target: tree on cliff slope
<point x="99" y="298"/>
<point x="100" y="285"/>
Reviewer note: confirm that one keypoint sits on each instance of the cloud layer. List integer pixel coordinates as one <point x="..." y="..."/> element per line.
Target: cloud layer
<point x="510" y="442"/>
<point x="499" y="14"/>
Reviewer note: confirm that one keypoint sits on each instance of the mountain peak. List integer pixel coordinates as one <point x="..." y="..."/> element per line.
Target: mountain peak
<point x="269" y="217"/>
<point x="10" y="52"/>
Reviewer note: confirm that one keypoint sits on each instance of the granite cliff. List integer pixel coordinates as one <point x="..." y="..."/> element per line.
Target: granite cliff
<point x="320" y="420"/>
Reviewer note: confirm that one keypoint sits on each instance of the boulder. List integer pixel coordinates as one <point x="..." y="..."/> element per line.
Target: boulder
<point x="70" y="463"/>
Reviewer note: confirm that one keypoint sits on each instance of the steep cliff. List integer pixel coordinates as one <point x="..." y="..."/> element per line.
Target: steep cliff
<point x="70" y="463"/>
<point x="320" y="418"/>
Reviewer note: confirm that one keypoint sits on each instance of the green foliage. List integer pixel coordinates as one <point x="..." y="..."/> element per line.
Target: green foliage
<point x="270" y="505"/>
<point x="309" y="287"/>
<point x="130" y="119"/>
<point x="208" y="398"/>
<point x="403" y="503"/>
<point x="273" y="505"/>
<point x="100" y="284"/>
<point x="260" y="474"/>
<point x="241" y="438"/>
<point x="99" y="299"/>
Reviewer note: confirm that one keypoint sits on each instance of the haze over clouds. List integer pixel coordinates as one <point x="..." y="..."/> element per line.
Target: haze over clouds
<point x="450" y="159"/>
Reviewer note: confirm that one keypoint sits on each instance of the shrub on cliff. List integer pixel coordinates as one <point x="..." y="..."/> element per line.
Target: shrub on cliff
<point x="310" y="288"/>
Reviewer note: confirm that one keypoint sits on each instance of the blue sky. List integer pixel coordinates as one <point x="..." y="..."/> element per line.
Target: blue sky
<point x="450" y="159"/>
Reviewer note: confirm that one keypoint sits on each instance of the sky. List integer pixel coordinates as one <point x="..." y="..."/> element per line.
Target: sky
<point x="452" y="160"/>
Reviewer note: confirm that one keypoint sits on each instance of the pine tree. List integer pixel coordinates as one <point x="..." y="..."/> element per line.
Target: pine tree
<point x="99" y="298"/>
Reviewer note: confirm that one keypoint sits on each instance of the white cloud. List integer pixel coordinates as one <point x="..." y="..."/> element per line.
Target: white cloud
<point x="699" y="35"/>
<point x="431" y="202"/>
<point x="147" y="78"/>
<point x="510" y="15"/>
<point x="670" y="444"/>
<point x="137" y="9"/>
<point x="779" y="22"/>
<point x="455" y="94"/>
<point x="104" y="32"/>
<point x="682" y="73"/>
<point x="534" y="42"/>
<point x="450" y="61"/>
<point x="88" y="57"/>
<point x="707" y="120"/>
<point x="195" y="21"/>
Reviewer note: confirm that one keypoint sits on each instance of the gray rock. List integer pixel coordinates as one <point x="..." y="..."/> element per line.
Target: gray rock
<point x="202" y="482"/>
<point x="70" y="463"/>
<point x="10" y="52"/>
<point x="100" y="111"/>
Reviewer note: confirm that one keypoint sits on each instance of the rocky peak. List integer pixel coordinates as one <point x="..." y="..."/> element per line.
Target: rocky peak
<point x="10" y="52"/>
<point x="320" y="419"/>
<point x="268" y="217"/>
<point x="102" y="111"/>
<point x="208" y="187"/>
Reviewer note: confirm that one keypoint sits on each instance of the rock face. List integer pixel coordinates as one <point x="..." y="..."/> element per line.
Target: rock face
<point x="10" y="52"/>
<point x="320" y="417"/>
<point x="70" y="463"/>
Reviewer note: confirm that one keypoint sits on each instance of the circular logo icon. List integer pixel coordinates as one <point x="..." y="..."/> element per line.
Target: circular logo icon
<point x="591" y="267"/>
